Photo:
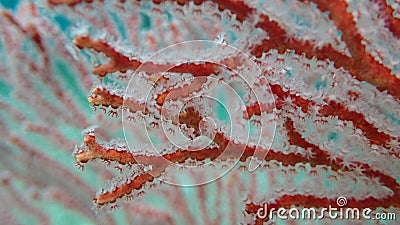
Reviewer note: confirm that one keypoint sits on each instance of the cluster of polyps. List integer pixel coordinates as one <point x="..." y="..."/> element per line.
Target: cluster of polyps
<point x="337" y="102"/>
<point x="192" y="115"/>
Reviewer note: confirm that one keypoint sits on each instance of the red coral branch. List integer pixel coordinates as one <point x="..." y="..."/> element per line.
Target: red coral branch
<point x="363" y="65"/>
<point x="122" y="63"/>
<point x="392" y="23"/>
<point x="359" y="63"/>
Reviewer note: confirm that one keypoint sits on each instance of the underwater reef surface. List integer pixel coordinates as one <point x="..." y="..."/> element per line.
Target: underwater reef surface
<point x="199" y="112"/>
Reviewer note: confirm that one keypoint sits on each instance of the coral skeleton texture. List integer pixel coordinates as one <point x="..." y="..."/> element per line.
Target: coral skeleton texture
<point x="198" y="112"/>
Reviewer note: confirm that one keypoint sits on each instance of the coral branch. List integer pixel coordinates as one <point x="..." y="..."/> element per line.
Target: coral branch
<point x="331" y="108"/>
<point x="122" y="63"/>
<point x="304" y="94"/>
<point x="392" y="23"/>
<point x="364" y="66"/>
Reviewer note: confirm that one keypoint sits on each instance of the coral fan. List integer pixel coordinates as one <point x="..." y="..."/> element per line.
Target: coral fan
<point x="226" y="107"/>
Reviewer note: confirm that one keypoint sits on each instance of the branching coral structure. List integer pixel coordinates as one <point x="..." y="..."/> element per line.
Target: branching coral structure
<point x="205" y="112"/>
